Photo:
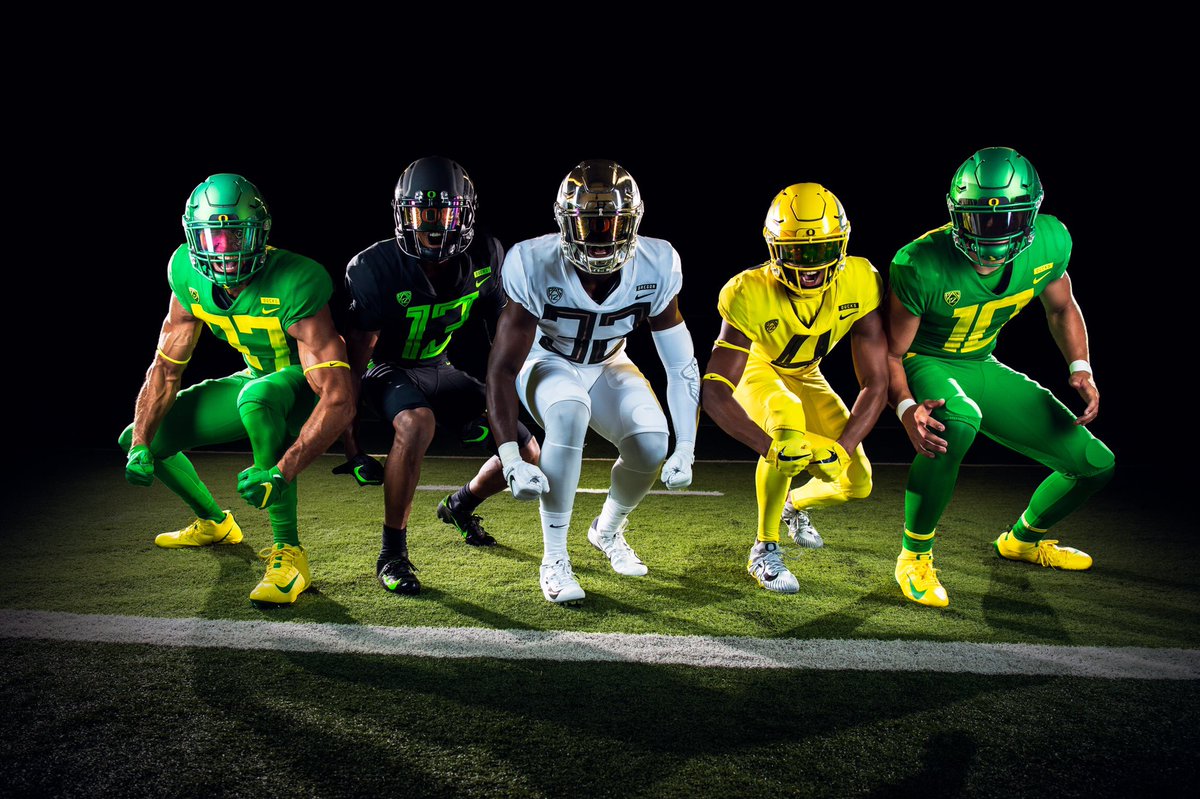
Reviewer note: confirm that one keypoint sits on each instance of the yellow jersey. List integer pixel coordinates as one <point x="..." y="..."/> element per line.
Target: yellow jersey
<point x="794" y="333"/>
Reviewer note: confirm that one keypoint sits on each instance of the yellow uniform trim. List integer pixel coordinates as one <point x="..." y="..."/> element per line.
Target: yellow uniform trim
<point x="722" y="378"/>
<point x="328" y="365"/>
<point x="166" y="357"/>
<point x="919" y="536"/>
<point x="727" y="345"/>
<point x="1031" y="528"/>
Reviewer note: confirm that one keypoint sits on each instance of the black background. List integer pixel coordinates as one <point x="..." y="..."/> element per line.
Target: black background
<point x="117" y="167"/>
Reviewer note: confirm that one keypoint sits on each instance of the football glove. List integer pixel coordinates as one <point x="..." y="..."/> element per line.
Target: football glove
<point x="139" y="466"/>
<point x="677" y="470"/>
<point x="525" y="480"/>
<point x="790" y="457"/>
<point x="262" y="488"/>
<point x="829" y="458"/>
<point x="366" y="470"/>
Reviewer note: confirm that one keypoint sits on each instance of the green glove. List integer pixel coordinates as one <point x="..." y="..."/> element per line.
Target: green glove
<point x="139" y="466"/>
<point x="262" y="488"/>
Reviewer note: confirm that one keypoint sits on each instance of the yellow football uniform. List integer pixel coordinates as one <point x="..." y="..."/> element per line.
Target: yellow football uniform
<point x="782" y="385"/>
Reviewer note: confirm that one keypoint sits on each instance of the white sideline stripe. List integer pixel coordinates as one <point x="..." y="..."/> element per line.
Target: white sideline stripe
<point x="598" y="491"/>
<point x="705" y="651"/>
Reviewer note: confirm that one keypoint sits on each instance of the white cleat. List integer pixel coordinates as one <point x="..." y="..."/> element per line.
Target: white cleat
<point x="622" y="557"/>
<point x="559" y="584"/>
<point x="766" y="566"/>
<point x="800" y="527"/>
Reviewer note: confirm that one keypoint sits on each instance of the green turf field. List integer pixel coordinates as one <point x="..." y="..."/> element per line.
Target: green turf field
<point x="126" y="719"/>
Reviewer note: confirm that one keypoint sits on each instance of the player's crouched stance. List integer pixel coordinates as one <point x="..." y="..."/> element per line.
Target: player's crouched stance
<point x="578" y="294"/>
<point x="271" y="305"/>
<point x="764" y="384"/>
<point x="952" y="290"/>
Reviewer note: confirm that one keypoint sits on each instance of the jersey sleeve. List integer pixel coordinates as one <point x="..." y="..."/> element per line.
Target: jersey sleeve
<point x="516" y="281"/>
<point x="491" y="296"/>
<point x="177" y="279"/>
<point x="730" y="305"/>
<point x="905" y="285"/>
<point x="872" y="291"/>
<point x="310" y="290"/>
<point x="1062" y="243"/>
<point x="673" y="282"/>
<point x="363" y="312"/>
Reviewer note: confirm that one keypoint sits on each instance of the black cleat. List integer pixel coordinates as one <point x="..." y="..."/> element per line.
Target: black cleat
<point x="397" y="576"/>
<point x="471" y="528"/>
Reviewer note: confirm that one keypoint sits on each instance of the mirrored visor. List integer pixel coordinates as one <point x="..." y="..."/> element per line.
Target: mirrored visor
<point x="995" y="224"/>
<point x="443" y="218"/>
<point x="809" y="255"/>
<point x="221" y="240"/>
<point x="601" y="230"/>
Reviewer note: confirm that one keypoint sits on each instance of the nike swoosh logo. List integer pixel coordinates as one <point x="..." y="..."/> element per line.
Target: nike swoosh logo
<point x="479" y="283"/>
<point x="558" y="526"/>
<point x="554" y="594"/>
<point x="266" y="494"/>
<point x="769" y="577"/>
<point x="269" y="311"/>
<point x="832" y="457"/>
<point x="358" y="473"/>
<point x="643" y="296"/>
<point x="390" y="583"/>
<point x="1037" y="280"/>
<point x="287" y="588"/>
<point x="790" y="457"/>
<point x="912" y="589"/>
<point x="848" y="315"/>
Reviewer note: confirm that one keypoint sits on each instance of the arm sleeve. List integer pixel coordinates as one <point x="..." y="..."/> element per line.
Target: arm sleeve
<point x="674" y="282"/>
<point x="516" y="282"/>
<point x="683" y="379"/>
<point x="491" y="294"/>
<point x="364" y="312"/>
<point x="905" y="288"/>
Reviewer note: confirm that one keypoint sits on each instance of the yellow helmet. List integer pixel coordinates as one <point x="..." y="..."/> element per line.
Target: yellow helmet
<point x="807" y="231"/>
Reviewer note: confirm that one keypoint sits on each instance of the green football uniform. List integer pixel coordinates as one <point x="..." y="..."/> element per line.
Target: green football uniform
<point x="268" y="401"/>
<point x="961" y="315"/>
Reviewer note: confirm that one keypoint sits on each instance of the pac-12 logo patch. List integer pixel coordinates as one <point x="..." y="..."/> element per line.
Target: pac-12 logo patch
<point x="771" y="325"/>
<point x="554" y="294"/>
<point x="195" y="294"/>
<point x="404" y="298"/>
<point x="952" y="297"/>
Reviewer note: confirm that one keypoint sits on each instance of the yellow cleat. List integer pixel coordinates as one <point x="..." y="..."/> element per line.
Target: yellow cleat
<point x="918" y="580"/>
<point x="1043" y="553"/>
<point x="202" y="533"/>
<point x="286" y="578"/>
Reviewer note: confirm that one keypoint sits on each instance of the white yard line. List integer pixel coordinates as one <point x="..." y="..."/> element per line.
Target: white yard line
<point x="706" y="651"/>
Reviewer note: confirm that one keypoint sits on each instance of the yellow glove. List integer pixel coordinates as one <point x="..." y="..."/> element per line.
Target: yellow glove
<point x="790" y="456"/>
<point x="829" y="458"/>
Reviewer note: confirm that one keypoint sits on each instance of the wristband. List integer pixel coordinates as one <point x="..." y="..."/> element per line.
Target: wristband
<point x="904" y="405"/>
<point x="509" y="452"/>
<point x="1079" y="366"/>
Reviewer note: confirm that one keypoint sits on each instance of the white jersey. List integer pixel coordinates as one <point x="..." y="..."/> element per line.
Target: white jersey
<point x="571" y="323"/>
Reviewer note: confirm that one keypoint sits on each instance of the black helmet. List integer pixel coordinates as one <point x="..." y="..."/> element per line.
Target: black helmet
<point x="434" y="205"/>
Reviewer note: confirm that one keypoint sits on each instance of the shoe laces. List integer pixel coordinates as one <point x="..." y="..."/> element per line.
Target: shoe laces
<point x="405" y="564"/>
<point x="771" y="561"/>
<point x="285" y="554"/>
<point x="560" y="572"/>
<point x="1046" y="552"/>
<point x="922" y="572"/>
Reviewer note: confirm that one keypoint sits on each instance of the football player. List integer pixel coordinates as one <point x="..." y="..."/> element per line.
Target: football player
<point x="575" y="296"/>
<point x="272" y="306"/>
<point x="952" y="290"/>
<point x="408" y="294"/>
<point x="764" y="384"/>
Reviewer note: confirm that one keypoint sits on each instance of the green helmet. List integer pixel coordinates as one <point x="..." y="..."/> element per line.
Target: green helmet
<point x="993" y="200"/>
<point x="226" y="222"/>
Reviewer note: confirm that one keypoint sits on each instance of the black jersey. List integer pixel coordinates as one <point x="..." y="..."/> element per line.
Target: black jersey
<point x="390" y="292"/>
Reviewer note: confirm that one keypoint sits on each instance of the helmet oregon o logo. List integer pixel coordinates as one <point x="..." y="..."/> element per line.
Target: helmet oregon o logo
<point x="952" y="297"/>
<point x="994" y="201"/>
<point x="404" y="298"/>
<point x="431" y="194"/>
<point x="223" y="218"/>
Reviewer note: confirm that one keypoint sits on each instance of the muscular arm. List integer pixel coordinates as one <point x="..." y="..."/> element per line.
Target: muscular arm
<point x="320" y="343"/>
<point x="514" y="337"/>
<point x="177" y="340"/>
<point x="1070" y="334"/>
<point x="868" y="344"/>
<point x="717" y="396"/>
<point x="360" y="344"/>
<point x="902" y="328"/>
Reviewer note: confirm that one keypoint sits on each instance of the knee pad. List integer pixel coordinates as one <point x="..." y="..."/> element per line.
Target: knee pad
<point x="1101" y="463"/>
<point x="784" y="412"/>
<point x="858" y="484"/>
<point x="643" y="452"/>
<point x="566" y="423"/>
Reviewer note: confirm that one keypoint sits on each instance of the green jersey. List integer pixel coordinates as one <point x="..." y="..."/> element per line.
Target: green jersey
<point x="961" y="311"/>
<point x="289" y="288"/>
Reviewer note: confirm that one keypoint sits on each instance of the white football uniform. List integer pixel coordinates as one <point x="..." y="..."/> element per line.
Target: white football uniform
<point x="580" y="340"/>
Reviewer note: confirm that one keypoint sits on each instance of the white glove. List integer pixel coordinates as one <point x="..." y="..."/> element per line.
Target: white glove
<point x="677" y="470"/>
<point x="525" y="480"/>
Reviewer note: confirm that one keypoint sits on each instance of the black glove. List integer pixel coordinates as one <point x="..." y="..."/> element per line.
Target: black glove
<point x="366" y="470"/>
